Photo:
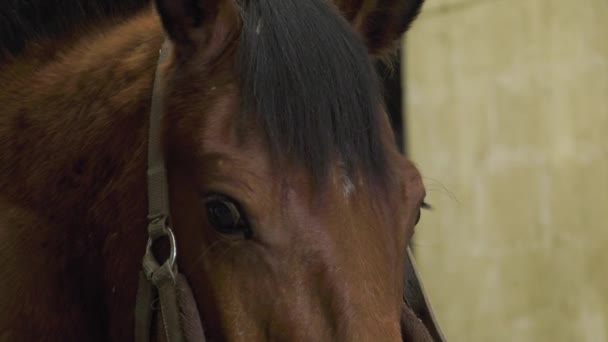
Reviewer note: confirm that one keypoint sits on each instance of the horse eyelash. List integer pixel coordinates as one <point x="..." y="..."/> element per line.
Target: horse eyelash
<point x="426" y="206"/>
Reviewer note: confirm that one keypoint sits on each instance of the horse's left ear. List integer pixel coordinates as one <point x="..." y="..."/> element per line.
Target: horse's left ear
<point x="380" y="22"/>
<point x="192" y="23"/>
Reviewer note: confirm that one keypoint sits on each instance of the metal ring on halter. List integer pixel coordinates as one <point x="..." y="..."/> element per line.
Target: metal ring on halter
<point x="172" y="248"/>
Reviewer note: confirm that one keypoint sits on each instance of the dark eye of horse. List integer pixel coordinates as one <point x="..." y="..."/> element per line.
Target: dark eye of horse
<point x="424" y="206"/>
<point x="418" y="215"/>
<point x="226" y="217"/>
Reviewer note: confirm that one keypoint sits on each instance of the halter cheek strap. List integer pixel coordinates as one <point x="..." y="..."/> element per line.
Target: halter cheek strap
<point x="160" y="282"/>
<point x="415" y="297"/>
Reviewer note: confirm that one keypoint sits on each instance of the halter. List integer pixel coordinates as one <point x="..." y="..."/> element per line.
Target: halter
<point x="161" y="282"/>
<point x="158" y="281"/>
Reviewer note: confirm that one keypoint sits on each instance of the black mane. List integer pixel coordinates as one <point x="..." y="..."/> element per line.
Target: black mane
<point x="305" y="73"/>
<point x="24" y="21"/>
<point x="309" y="79"/>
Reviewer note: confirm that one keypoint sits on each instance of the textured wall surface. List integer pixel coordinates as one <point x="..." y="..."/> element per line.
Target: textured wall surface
<point x="507" y="104"/>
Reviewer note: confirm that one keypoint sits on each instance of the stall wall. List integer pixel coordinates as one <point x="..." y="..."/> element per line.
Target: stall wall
<point x="507" y="118"/>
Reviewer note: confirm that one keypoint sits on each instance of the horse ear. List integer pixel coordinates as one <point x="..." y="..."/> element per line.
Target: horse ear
<point x="380" y="22"/>
<point x="187" y="22"/>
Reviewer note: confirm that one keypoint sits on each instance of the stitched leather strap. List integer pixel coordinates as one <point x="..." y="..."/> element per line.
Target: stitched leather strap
<point x="158" y="280"/>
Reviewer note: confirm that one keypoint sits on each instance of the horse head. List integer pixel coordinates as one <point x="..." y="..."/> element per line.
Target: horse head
<point x="291" y="204"/>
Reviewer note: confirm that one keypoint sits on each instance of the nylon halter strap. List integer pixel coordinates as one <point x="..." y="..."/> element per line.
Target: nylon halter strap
<point x="158" y="282"/>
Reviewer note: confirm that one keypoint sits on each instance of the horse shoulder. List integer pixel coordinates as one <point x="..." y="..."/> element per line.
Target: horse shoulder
<point x="36" y="299"/>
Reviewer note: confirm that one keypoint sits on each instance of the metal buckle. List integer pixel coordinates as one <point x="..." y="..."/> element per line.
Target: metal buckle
<point x="163" y="229"/>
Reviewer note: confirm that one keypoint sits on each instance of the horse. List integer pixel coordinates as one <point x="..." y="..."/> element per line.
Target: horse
<point x="290" y="206"/>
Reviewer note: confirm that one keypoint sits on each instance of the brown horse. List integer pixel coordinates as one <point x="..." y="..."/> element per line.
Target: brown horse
<point x="291" y="205"/>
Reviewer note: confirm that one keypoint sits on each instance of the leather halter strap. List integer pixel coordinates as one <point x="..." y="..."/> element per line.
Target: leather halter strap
<point x="158" y="282"/>
<point x="415" y="297"/>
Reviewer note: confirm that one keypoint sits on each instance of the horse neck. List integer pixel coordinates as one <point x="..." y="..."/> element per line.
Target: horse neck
<point x="73" y="126"/>
<point x="73" y="150"/>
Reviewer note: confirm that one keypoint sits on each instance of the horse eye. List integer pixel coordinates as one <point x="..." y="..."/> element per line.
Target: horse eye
<point x="424" y="206"/>
<point x="226" y="217"/>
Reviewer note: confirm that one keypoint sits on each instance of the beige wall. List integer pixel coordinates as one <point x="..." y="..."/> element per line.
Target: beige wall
<point x="507" y="104"/>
